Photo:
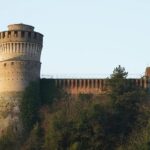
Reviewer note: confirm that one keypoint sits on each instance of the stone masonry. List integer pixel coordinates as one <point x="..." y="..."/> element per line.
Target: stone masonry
<point x="20" y="52"/>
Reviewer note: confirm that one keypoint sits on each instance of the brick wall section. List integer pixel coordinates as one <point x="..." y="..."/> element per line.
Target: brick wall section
<point x="93" y="86"/>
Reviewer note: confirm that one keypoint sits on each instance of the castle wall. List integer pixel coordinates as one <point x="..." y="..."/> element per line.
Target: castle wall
<point x="76" y="86"/>
<point x="93" y="86"/>
<point x="16" y="75"/>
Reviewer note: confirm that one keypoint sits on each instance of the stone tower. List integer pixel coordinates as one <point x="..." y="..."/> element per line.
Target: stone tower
<point x="20" y="51"/>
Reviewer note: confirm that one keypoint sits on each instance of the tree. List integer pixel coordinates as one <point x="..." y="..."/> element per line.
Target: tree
<point x="117" y="82"/>
<point x="126" y="102"/>
<point x="29" y="106"/>
<point x="34" y="140"/>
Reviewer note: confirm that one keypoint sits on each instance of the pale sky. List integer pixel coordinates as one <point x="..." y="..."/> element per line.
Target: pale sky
<point x="86" y="37"/>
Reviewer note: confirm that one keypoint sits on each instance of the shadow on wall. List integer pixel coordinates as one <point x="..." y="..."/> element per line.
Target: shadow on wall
<point x="49" y="91"/>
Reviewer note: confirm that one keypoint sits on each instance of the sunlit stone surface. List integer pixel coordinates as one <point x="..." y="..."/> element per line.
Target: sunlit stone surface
<point x="20" y="52"/>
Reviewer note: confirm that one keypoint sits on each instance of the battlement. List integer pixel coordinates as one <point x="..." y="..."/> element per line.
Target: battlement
<point x="20" y="42"/>
<point x="93" y="86"/>
<point x="21" y="36"/>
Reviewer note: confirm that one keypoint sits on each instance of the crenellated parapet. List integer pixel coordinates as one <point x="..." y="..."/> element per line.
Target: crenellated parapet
<point x="94" y="86"/>
<point x="21" y="33"/>
<point x="20" y="42"/>
<point x="75" y="86"/>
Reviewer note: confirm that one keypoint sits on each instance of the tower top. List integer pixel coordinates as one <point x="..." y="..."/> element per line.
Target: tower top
<point x="21" y="26"/>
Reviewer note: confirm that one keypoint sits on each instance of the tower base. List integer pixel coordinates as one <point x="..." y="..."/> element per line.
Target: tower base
<point x="9" y="112"/>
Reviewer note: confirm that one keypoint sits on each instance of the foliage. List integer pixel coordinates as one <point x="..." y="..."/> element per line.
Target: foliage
<point x="127" y="101"/>
<point x="34" y="140"/>
<point x="29" y="106"/>
<point x="73" y="125"/>
<point x="10" y="140"/>
<point x="117" y="82"/>
<point x="49" y="92"/>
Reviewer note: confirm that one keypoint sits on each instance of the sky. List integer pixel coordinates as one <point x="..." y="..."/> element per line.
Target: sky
<point x="86" y="38"/>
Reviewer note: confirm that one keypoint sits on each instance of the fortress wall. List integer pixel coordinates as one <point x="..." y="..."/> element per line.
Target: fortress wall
<point x="76" y="86"/>
<point x="93" y="86"/>
<point x="16" y="75"/>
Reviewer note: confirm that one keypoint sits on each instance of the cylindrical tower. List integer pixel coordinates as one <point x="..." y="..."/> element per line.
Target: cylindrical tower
<point x="20" y="51"/>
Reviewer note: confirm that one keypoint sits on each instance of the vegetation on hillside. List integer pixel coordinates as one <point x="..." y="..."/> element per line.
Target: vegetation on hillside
<point x="54" y="120"/>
